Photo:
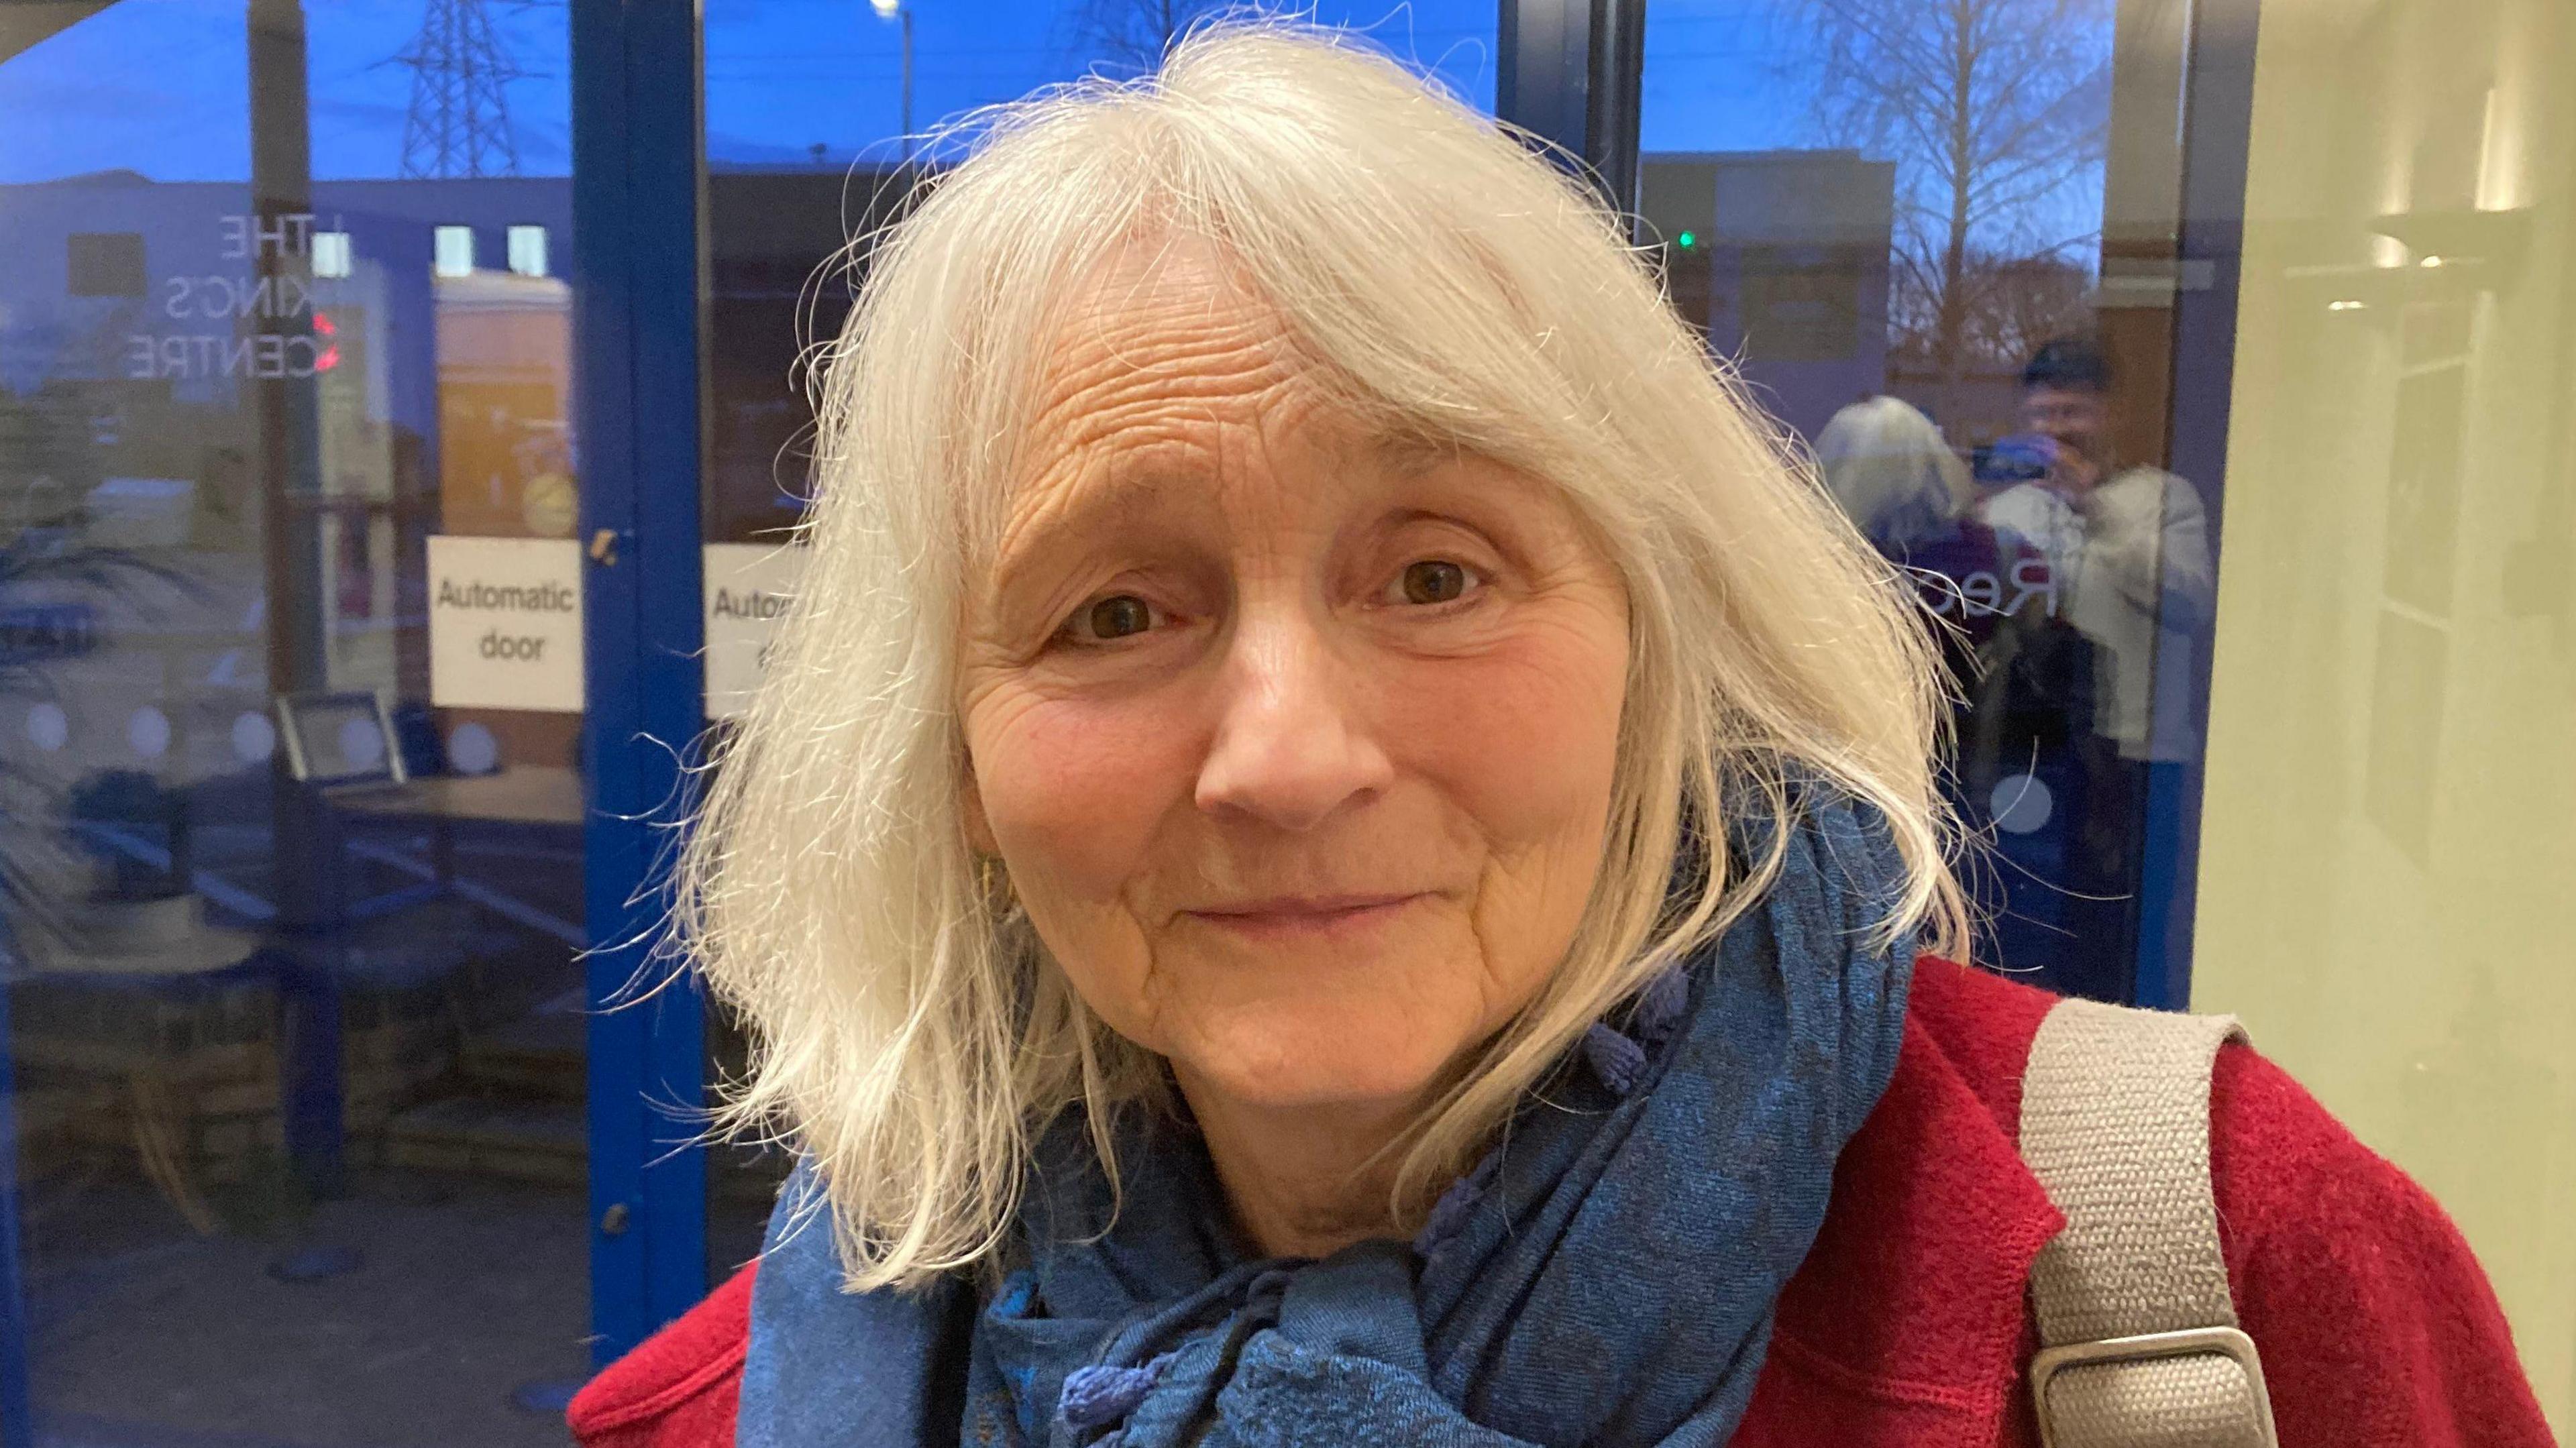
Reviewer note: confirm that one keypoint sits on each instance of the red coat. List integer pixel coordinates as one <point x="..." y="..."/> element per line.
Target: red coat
<point x="1910" y="1321"/>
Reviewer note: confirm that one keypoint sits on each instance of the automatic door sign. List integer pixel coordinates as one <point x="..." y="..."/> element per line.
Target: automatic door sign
<point x="748" y="585"/>
<point x="505" y="623"/>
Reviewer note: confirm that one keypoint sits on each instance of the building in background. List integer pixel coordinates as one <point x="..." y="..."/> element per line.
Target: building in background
<point x="1781" y="257"/>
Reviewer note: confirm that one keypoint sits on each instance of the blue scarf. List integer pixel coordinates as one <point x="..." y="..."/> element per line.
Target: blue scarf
<point x="1606" y="1276"/>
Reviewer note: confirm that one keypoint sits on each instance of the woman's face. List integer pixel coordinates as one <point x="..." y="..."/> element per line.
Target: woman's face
<point x="1297" y="741"/>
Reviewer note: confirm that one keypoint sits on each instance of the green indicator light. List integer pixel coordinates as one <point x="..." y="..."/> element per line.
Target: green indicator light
<point x="1688" y="239"/>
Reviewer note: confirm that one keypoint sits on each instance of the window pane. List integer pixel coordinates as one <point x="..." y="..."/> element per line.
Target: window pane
<point x="808" y="105"/>
<point x="528" y="250"/>
<point x="452" y="251"/>
<point x="332" y="257"/>
<point x="290" y="904"/>
<point x="1938" y="241"/>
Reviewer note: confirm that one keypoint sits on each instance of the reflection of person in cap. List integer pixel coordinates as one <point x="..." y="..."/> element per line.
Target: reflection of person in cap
<point x="2129" y="549"/>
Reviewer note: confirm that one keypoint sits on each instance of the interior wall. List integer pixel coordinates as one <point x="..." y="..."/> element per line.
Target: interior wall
<point x="2389" y="848"/>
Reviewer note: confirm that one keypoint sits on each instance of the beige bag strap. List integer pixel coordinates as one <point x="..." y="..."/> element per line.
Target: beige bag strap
<point x="2139" y="1346"/>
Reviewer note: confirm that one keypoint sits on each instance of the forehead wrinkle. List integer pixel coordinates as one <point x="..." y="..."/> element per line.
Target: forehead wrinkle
<point x="1147" y="358"/>
<point x="1165" y="312"/>
<point x="1144" y="380"/>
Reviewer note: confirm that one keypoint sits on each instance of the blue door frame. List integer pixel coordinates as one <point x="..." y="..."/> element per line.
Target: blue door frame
<point x="1569" y="73"/>
<point x="639" y="263"/>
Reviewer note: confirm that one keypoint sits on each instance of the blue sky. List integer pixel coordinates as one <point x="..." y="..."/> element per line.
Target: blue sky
<point x="161" y="86"/>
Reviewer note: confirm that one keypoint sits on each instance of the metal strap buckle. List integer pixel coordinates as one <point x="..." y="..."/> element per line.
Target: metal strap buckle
<point x="2225" y="1342"/>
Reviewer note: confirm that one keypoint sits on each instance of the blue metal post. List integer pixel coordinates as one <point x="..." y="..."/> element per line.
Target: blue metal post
<point x="1568" y="71"/>
<point x="638" y="216"/>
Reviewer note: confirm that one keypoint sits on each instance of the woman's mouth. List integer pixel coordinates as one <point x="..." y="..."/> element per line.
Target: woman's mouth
<point x="1304" y="916"/>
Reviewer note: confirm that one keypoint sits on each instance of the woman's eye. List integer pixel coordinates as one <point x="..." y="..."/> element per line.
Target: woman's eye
<point x="1121" y="616"/>
<point x="1435" y="580"/>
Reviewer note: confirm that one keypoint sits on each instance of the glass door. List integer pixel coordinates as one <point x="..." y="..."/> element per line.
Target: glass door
<point x="293" y="701"/>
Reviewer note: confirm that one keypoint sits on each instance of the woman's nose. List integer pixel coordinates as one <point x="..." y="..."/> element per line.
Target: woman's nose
<point x="1290" y="746"/>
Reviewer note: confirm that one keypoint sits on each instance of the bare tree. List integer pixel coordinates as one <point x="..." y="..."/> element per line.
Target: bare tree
<point x="1132" y="36"/>
<point x="2019" y="303"/>
<point x="1994" y="111"/>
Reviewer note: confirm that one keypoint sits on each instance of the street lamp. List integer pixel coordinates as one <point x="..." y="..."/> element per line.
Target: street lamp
<point x="901" y="11"/>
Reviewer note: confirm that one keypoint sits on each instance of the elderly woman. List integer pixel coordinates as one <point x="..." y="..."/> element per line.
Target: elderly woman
<point x="1335" y="851"/>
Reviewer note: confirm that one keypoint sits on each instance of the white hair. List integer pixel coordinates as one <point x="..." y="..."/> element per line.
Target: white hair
<point x="910" y="1037"/>
<point x="1892" y="472"/>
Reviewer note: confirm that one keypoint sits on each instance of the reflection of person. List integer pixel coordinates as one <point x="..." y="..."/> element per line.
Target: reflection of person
<point x="1910" y="495"/>
<point x="2128" y="548"/>
<point x="1894" y="474"/>
<point x="1332" y="853"/>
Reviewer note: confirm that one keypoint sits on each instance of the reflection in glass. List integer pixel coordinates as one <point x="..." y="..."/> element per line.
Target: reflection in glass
<point x="822" y="118"/>
<point x="294" y="1007"/>
<point x="1914" y="232"/>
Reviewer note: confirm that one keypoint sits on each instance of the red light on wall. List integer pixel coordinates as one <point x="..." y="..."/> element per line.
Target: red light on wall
<point x="326" y="356"/>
